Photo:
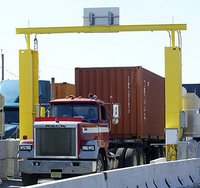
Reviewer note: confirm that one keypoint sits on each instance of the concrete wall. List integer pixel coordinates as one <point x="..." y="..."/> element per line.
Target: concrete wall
<point x="9" y="166"/>
<point x="188" y="149"/>
<point x="3" y="158"/>
<point x="182" y="173"/>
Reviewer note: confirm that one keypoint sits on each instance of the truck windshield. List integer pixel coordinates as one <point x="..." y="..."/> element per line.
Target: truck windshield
<point x="89" y="112"/>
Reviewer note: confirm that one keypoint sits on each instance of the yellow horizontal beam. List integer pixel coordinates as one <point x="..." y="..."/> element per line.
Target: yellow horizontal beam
<point x="99" y="29"/>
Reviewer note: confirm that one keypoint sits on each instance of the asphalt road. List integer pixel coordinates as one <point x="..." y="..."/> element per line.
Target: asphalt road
<point x="11" y="183"/>
<point x="15" y="183"/>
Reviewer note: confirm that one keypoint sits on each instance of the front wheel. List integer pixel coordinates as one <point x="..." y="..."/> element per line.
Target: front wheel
<point x="29" y="179"/>
<point x="101" y="165"/>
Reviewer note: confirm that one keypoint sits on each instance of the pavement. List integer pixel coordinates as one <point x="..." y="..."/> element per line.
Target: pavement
<point x="16" y="182"/>
<point x="11" y="183"/>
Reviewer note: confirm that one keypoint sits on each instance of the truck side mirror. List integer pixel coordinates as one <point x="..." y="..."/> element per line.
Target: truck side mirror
<point x="115" y="119"/>
<point x="116" y="110"/>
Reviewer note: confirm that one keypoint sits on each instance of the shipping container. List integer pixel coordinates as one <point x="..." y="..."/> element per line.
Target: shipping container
<point x="193" y="88"/>
<point x="61" y="90"/>
<point x="139" y="92"/>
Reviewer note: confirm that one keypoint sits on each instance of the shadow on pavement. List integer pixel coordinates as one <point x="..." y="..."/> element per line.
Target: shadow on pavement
<point x="11" y="183"/>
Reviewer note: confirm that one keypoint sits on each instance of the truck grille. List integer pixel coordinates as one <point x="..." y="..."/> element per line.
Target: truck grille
<point x="55" y="142"/>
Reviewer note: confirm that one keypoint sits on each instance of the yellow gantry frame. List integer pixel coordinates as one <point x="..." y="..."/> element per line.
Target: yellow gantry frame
<point x="173" y="83"/>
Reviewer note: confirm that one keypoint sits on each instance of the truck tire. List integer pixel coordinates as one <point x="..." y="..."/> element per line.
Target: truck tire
<point x="101" y="166"/>
<point x="29" y="179"/>
<point x="156" y="153"/>
<point x="140" y="156"/>
<point x="121" y="153"/>
<point x="131" y="158"/>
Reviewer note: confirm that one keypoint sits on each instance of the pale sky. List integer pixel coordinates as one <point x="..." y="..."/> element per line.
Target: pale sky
<point x="59" y="54"/>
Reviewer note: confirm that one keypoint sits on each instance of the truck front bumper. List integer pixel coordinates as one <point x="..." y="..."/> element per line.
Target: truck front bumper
<point x="65" y="167"/>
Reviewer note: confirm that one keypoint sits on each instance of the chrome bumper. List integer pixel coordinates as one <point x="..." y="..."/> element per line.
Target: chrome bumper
<point x="65" y="167"/>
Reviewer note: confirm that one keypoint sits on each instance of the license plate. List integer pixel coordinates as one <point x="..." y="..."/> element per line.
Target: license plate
<point x="56" y="174"/>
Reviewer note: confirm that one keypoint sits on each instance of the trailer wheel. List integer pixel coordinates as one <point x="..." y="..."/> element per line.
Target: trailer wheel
<point x="29" y="179"/>
<point x="131" y="158"/>
<point x="121" y="153"/>
<point x="101" y="166"/>
<point x="140" y="156"/>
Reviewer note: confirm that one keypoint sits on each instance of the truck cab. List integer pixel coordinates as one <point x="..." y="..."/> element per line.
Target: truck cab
<point x="72" y="140"/>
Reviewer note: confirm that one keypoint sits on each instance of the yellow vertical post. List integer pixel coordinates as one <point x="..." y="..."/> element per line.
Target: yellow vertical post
<point x="35" y="82"/>
<point x="28" y="89"/>
<point x="28" y="41"/>
<point x="173" y="39"/>
<point x="173" y="95"/>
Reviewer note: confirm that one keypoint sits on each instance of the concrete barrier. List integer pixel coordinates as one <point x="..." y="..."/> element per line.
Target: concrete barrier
<point x="3" y="158"/>
<point x="9" y="165"/>
<point x="188" y="149"/>
<point x="3" y="149"/>
<point x="12" y="160"/>
<point x="182" y="173"/>
<point x="12" y="148"/>
<point x="3" y="168"/>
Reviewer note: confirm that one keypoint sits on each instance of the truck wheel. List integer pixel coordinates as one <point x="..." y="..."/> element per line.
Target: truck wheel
<point x="140" y="156"/>
<point x="121" y="153"/>
<point x="131" y="157"/>
<point x="155" y="153"/>
<point x="29" y="179"/>
<point x="100" y="163"/>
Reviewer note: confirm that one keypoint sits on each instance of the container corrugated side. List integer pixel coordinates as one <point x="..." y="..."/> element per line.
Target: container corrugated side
<point x="139" y="92"/>
<point x="154" y="104"/>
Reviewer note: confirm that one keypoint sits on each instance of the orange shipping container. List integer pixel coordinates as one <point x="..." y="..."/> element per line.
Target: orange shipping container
<point x="61" y="90"/>
<point x="139" y="92"/>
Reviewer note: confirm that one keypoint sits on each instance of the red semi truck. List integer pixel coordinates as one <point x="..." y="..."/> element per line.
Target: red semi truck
<point x="141" y="95"/>
<point x="87" y="134"/>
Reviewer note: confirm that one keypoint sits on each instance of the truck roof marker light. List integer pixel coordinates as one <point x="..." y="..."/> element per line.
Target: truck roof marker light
<point x="72" y="96"/>
<point x="25" y="137"/>
<point x="67" y="97"/>
<point x="92" y="96"/>
<point x="79" y="97"/>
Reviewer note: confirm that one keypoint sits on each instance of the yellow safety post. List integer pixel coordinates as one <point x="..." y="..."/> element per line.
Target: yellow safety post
<point x="35" y="63"/>
<point x="28" y="89"/>
<point x="173" y="96"/>
<point x="28" y="41"/>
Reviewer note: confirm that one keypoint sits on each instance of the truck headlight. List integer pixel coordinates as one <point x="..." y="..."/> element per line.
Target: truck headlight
<point x="88" y="148"/>
<point x="25" y="147"/>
